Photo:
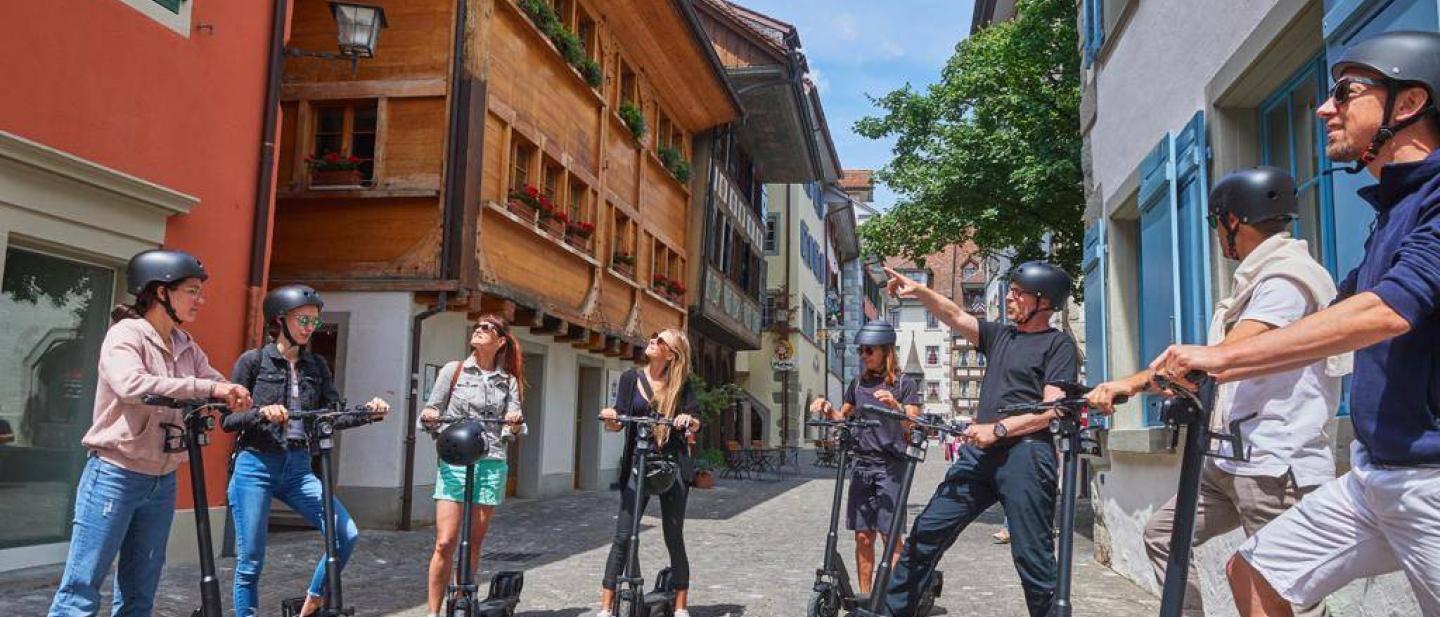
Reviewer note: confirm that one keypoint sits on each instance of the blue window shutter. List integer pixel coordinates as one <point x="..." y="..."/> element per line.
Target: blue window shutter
<point x="1158" y="260"/>
<point x="1094" y="30"/>
<point x="1097" y="341"/>
<point x="1192" y="189"/>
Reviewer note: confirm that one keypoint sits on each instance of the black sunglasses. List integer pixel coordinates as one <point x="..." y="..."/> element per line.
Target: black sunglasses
<point x="486" y="326"/>
<point x="1341" y="91"/>
<point x="866" y="350"/>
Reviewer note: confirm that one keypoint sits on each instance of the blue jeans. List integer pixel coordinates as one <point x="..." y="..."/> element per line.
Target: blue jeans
<point x="117" y="512"/>
<point x="257" y="478"/>
<point x="1022" y="479"/>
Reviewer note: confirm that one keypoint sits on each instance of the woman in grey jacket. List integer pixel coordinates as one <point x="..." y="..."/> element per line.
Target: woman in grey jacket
<point x="489" y="382"/>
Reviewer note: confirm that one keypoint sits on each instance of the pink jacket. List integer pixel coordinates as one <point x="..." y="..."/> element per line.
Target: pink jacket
<point x="133" y="363"/>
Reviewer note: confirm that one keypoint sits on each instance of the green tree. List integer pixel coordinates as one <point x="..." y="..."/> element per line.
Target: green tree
<point x="990" y="153"/>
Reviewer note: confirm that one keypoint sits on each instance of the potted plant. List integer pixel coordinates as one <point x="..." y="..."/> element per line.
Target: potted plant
<point x="675" y="162"/>
<point x="634" y="119"/>
<point x="707" y="463"/>
<point x="578" y="234"/>
<point x="676" y="289"/>
<point x="552" y="219"/>
<point x="332" y="169"/>
<point x="660" y="284"/>
<point x="623" y="263"/>
<point x="525" y="202"/>
<point x="590" y="69"/>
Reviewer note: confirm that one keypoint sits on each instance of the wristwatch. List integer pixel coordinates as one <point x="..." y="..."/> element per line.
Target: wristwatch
<point x="1000" y="431"/>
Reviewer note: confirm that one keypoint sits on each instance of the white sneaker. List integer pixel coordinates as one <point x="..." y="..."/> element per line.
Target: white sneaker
<point x="681" y="613"/>
<point x="604" y="614"/>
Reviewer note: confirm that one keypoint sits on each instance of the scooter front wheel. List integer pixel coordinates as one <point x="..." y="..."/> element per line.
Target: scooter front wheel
<point x="824" y="604"/>
<point x="629" y="606"/>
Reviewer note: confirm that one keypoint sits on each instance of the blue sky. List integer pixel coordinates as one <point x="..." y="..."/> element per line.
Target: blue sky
<point x="860" y="47"/>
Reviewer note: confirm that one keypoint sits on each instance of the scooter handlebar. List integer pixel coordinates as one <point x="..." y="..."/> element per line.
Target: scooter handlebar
<point x="176" y="403"/>
<point x="335" y="411"/>
<point x="925" y="421"/>
<point x="633" y="419"/>
<point x="846" y="423"/>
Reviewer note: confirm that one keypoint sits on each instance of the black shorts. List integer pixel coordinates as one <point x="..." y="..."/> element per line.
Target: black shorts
<point x="874" y="489"/>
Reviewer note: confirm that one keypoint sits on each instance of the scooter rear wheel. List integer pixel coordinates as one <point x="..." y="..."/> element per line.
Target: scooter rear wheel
<point x="824" y="604"/>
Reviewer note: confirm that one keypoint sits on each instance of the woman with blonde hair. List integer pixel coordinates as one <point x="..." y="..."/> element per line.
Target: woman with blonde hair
<point x="662" y="389"/>
<point x="489" y="382"/>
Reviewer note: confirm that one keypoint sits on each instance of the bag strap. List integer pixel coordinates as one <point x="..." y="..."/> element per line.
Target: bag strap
<point x="454" y="379"/>
<point x="645" y="383"/>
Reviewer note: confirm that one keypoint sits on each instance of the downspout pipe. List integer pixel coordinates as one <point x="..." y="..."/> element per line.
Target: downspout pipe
<point x="265" y="176"/>
<point x="456" y="148"/>
<point x="412" y="408"/>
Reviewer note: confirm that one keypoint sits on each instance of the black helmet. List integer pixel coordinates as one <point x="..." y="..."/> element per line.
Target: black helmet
<point x="660" y="474"/>
<point x="1405" y="58"/>
<point x="288" y="298"/>
<point x="876" y="333"/>
<point x="1044" y="280"/>
<point x="167" y="267"/>
<point x="1256" y="195"/>
<point x="462" y="443"/>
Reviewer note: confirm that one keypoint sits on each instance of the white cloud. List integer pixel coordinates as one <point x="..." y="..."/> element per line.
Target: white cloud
<point x="891" y="49"/>
<point x="846" y="28"/>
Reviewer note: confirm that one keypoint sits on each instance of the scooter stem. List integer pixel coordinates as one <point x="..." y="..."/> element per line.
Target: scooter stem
<point x="1070" y="474"/>
<point x="197" y="424"/>
<point x="897" y="521"/>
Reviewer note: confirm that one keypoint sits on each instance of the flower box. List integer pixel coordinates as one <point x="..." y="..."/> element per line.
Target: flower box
<point x="336" y="177"/>
<point x="624" y="268"/>
<point x="522" y="210"/>
<point x="580" y="242"/>
<point x="553" y="226"/>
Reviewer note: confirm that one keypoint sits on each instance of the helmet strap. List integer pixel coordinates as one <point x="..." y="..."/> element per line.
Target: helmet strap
<point x="165" y="303"/>
<point x="1387" y="131"/>
<point x="285" y="331"/>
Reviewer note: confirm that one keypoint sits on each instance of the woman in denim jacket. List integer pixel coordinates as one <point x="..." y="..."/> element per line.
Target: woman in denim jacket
<point x="125" y="500"/>
<point x="488" y="383"/>
<point x="273" y="451"/>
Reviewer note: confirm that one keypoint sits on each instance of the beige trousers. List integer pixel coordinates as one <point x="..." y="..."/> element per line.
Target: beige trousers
<point x="1226" y="502"/>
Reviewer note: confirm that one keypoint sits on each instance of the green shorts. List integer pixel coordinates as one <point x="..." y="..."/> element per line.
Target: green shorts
<point x="490" y="481"/>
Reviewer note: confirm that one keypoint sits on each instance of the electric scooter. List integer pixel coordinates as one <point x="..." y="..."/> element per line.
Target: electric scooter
<point x="320" y="432"/>
<point x="1192" y="411"/>
<point x="916" y="439"/>
<point x="463" y="594"/>
<point x="630" y="597"/>
<point x="190" y="436"/>
<point x="832" y="591"/>
<point x="1077" y="437"/>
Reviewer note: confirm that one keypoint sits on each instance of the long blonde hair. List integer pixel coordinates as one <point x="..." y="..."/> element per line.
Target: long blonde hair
<point x="892" y="365"/>
<point x="677" y="371"/>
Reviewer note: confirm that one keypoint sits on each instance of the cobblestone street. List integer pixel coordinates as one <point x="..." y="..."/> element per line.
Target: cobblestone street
<point x="754" y="546"/>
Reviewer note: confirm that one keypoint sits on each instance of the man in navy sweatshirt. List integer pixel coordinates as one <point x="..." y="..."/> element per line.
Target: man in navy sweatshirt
<point x="1384" y="515"/>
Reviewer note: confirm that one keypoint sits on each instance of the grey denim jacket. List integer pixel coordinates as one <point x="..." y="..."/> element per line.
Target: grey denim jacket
<point x="477" y="394"/>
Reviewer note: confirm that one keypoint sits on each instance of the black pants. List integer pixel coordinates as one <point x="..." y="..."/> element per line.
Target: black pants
<point x="672" y="518"/>
<point x="1022" y="479"/>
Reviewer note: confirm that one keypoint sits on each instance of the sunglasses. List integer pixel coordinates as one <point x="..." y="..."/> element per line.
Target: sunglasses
<point x="488" y="328"/>
<point x="1342" y="90"/>
<point x="866" y="350"/>
<point x="307" y="321"/>
<point x="655" y="338"/>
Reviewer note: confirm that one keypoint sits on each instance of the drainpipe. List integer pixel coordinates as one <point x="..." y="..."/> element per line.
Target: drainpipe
<point x="265" y="177"/>
<point x="456" y="148"/>
<point x="412" y="408"/>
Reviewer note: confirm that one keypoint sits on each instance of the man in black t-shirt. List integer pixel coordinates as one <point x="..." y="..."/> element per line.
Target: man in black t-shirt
<point x="1006" y="459"/>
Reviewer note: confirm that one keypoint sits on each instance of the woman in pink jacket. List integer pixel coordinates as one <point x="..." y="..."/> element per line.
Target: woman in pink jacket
<point x="125" y="501"/>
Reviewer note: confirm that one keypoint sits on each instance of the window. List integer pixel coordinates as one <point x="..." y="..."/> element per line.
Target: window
<point x="622" y="244"/>
<point x="347" y="130"/>
<point x="969" y="269"/>
<point x="587" y="31"/>
<point x="767" y="310"/>
<point x="58" y="310"/>
<point x="772" y="230"/>
<point x="1094" y="11"/>
<point x="807" y="322"/>
<point x="629" y="85"/>
<point x="932" y="391"/>
<point x="932" y="354"/>
<point x="895" y="317"/>
<point x="931" y="321"/>
<point x="1292" y="138"/>
<point x="550" y="182"/>
<point x="522" y="157"/>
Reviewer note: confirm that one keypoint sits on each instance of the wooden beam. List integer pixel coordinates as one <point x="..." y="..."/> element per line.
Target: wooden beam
<point x="595" y="343"/>
<point x="417" y="285"/>
<point x="497" y="305"/>
<point x="550" y="325"/>
<point x="529" y="317"/>
<point x="363" y="89"/>
<point x="574" y="333"/>
<point x="612" y="347"/>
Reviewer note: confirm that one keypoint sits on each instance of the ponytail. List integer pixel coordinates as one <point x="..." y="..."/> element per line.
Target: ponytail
<point x="146" y="300"/>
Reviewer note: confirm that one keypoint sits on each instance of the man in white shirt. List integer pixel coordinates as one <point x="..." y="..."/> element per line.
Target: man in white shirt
<point x="1282" y="417"/>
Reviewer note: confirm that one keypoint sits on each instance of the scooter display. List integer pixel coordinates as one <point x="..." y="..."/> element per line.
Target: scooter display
<point x="630" y="597"/>
<point x="191" y="435"/>
<point x="1191" y="411"/>
<point x="916" y="439"/>
<point x="1076" y="437"/>
<point x="463" y="443"/>
<point x="320" y="432"/>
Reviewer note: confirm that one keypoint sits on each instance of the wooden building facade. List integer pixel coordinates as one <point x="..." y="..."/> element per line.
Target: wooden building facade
<point x="528" y="158"/>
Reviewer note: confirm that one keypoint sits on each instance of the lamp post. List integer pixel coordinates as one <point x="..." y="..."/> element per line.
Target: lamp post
<point x="358" y="28"/>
